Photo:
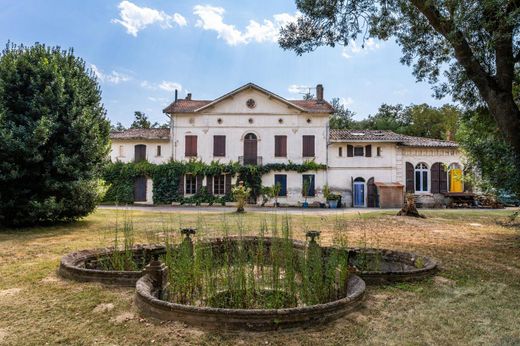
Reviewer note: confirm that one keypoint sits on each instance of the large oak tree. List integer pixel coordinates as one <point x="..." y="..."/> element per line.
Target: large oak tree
<point x="476" y="44"/>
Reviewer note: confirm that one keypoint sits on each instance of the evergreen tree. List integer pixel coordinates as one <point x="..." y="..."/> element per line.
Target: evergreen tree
<point x="53" y="136"/>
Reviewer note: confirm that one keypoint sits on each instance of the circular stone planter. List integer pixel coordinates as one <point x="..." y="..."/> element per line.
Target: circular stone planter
<point x="147" y="301"/>
<point x="81" y="266"/>
<point x="380" y="266"/>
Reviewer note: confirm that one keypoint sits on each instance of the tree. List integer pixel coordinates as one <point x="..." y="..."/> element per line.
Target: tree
<point x="141" y="121"/>
<point x="479" y="41"/>
<point x="117" y="127"/>
<point x="432" y="122"/>
<point x="342" y="116"/>
<point x="487" y="152"/>
<point x="388" y="117"/>
<point x="54" y="136"/>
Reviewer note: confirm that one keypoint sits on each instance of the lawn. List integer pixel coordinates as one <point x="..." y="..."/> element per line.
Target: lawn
<point x="474" y="299"/>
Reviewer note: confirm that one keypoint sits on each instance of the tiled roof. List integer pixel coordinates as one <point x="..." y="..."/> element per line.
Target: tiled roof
<point x="185" y="106"/>
<point x="190" y="106"/>
<point x="314" y="106"/>
<point x="387" y="136"/>
<point x="141" y="134"/>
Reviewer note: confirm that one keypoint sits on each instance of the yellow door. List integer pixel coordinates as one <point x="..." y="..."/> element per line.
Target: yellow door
<point x="456" y="180"/>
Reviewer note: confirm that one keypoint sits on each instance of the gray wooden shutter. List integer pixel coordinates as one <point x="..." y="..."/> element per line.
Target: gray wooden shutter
<point x="371" y="193"/>
<point x="368" y="150"/>
<point x="350" y="150"/>
<point x="409" y="178"/>
<point x="209" y="182"/>
<point x="443" y="179"/>
<point x="308" y="146"/>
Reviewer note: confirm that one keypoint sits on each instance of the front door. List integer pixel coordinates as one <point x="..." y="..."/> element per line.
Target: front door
<point x="359" y="194"/>
<point x="250" y="149"/>
<point x="456" y="180"/>
<point x="140" y="189"/>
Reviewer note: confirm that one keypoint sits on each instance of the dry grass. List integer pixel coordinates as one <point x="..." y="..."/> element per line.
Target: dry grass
<point x="474" y="302"/>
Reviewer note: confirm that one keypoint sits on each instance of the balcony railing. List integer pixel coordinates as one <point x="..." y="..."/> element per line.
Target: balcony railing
<point x="250" y="160"/>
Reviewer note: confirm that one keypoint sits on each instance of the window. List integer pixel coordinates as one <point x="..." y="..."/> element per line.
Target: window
<point x="219" y="145"/>
<point x="158" y="150"/>
<point x="190" y="146"/>
<point x="281" y="179"/>
<point x="280" y="146"/>
<point x="140" y="152"/>
<point x="340" y="151"/>
<point x="359" y="151"/>
<point x="421" y="177"/>
<point x="121" y="151"/>
<point x="308" y="146"/>
<point x="308" y="182"/>
<point x="378" y="151"/>
<point x="191" y="184"/>
<point x="219" y="185"/>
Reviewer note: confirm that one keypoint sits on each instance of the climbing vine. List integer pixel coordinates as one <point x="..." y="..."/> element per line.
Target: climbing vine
<point x="120" y="178"/>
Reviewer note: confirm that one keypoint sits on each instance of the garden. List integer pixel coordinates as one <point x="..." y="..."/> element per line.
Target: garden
<point x="267" y="261"/>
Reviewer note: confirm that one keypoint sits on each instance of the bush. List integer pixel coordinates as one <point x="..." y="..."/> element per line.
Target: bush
<point x="54" y="136"/>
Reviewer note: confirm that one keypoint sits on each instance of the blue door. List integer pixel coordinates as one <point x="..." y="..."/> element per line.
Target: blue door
<point x="359" y="194"/>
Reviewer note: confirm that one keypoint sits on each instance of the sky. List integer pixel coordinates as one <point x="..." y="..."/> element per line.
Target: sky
<point x="142" y="50"/>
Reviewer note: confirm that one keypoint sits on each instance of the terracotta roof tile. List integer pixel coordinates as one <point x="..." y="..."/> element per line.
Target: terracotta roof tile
<point x="387" y="136"/>
<point x="162" y="134"/>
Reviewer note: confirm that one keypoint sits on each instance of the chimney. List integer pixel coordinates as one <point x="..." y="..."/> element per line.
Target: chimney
<point x="319" y="92"/>
<point x="176" y="94"/>
<point x="188" y="96"/>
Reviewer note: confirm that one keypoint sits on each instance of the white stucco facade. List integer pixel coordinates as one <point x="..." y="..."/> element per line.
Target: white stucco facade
<point x="256" y="116"/>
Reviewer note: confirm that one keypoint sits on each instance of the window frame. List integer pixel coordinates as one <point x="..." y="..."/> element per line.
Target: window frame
<point x="356" y="147"/>
<point x="313" y="183"/>
<point x="219" y="154"/>
<point x="189" y="152"/>
<point x="158" y="151"/>
<point x="340" y="151"/>
<point x="304" y="147"/>
<point x="192" y="184"/>
<point x="283" y="192"/>
<point x="421" y="178"/>
<point x="278" y="152"/>
<point x="219" y="187"/>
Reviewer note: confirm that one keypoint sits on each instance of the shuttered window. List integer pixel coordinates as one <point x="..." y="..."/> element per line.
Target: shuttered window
<point x="350" y="150"/>
<point x="439" y="178"/>
<point x="281" y="179"/>
<point x="309" y="178"/>
<point x="409" y="178"/>
<point x="280" y="146"/>
<point x="308" y="146"/>
<point x="190" y="146"/>
<point x="340" y="151"/>
<point x="219" y="184"/>
<point x="158" y="150"/>
<point x="140" y="152"/>
<point x="368" y="150"/>
<point x="359" y="151"/>
<point x="191" y="184"/>
<point x="219" y="145"/>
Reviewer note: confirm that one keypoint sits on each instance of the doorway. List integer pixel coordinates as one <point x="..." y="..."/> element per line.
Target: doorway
<point x="250" y="149"/>
<point x="359" y="192"/>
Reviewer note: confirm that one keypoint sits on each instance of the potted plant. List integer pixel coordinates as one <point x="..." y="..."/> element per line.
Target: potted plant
<point x="305" y="192"/>
<point x="332" y="198"/>
<point x="241" y="194"/>
<point x="275" y="192"/>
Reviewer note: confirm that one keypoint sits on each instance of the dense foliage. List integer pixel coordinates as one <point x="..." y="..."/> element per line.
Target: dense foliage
<point x="53" y="136"/>
<point x="475" y="44"/>
<point x="414" y="120"/>
<point x="120" y="178"/>
<point x="141" y="121"/>
<point x="486" y="151"/>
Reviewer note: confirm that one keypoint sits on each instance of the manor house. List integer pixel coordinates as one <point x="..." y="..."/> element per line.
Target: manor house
<point x="254" y="126"/>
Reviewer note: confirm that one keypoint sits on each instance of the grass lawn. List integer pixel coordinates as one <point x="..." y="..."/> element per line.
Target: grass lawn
<point x="475" y="299"/>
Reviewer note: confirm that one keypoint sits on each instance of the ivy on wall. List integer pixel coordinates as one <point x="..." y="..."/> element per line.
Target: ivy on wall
<point x="120" y="178"/>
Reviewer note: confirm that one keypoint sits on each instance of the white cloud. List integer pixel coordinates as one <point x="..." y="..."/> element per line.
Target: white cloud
<point x="353" y="48"/>
<point x="347" y="101"/>
<point x="135" y="18"/>
<point x="164" y="85"/>
<point x="212" y="18"/>
<point x="113" y="77"/>
<point x="298" y="89"/>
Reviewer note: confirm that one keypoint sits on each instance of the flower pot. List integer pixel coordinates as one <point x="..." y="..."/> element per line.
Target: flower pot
<point x="333" y="204"/>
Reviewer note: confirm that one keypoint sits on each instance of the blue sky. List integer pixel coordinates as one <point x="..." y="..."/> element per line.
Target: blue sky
<point x="142" y="50"/>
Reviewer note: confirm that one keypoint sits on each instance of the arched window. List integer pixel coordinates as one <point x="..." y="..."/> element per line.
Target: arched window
<point x="421" y="177"/>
